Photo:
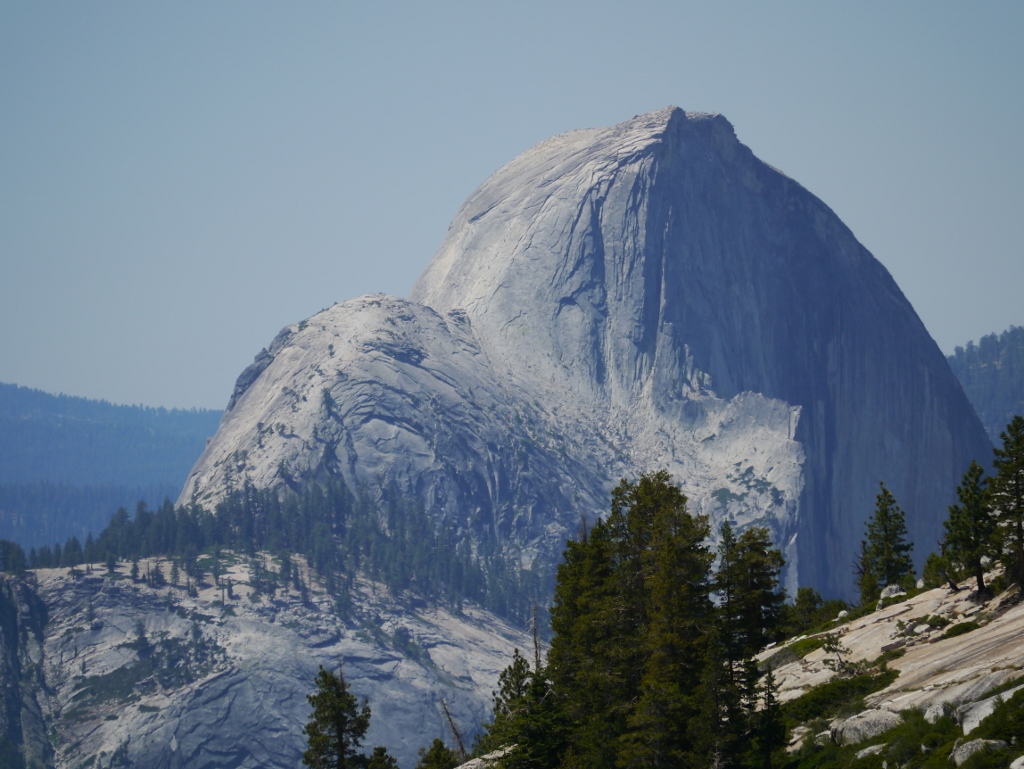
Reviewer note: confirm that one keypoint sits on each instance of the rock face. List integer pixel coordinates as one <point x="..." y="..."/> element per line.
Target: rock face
<point x="616" y="301"/>
<point x="130" y="675"/>
<point x="864" y="726"/>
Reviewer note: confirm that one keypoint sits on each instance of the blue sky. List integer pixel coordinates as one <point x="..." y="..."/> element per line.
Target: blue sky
<point x="178" y="181"/>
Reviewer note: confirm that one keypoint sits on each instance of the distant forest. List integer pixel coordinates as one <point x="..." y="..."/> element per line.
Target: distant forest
<point x="66" y="462"/>
<point x="992" y="374"/>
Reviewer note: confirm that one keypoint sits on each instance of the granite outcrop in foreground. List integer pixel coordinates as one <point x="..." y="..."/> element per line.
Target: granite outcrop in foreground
<point x="129" y="675"/>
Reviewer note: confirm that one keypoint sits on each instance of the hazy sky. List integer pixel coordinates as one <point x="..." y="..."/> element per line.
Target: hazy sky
<point x="180" y="180"/>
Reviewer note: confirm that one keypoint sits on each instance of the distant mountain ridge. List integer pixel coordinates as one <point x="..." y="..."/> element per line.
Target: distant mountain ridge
<point x="992" y="375"/>
<point x="66" y="463"/>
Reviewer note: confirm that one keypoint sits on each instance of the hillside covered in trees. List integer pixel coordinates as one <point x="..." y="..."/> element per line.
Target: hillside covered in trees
<point x="67" y="462"/>
<point x="992" y="375"/>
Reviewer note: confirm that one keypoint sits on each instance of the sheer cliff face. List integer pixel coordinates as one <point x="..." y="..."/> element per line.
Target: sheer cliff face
<point x="616" y="301"/>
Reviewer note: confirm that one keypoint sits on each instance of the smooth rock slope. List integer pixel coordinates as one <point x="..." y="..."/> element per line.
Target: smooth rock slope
<point x="616" y="301"/>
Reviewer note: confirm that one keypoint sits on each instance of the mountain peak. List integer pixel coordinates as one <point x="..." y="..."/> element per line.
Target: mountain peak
<point x="615" y="301"/>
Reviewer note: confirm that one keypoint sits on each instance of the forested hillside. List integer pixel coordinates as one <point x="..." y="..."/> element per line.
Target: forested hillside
<point x="66" y="462"/>
<point x="992" y="375"/>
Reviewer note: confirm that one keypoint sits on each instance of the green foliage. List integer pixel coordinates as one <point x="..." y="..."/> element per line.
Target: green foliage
<point x="747" y="584"/>
<point x="381" y="759"/>
<point x="644" y="670"/>
<point x="12" y="557"/>
<point x="884" y="557"/>
<point x="437" y="756"/>
<point x="1007" y="497"/>
<point x="339" y="533"/>
<point x="337" y="725"/>
<point x="916" y="744"/>
<point x="969" y="531"/>
<point x="838" y="696"/>
<point x="938" y="571"/>
<point x="960" y="629"/>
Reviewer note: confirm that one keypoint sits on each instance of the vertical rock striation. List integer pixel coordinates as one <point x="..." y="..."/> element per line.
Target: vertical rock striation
<point x="615" y="301"/>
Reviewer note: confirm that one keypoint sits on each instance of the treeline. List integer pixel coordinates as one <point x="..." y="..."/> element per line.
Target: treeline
<point x="341" y="535"/>
<point x="651" y="663"/>
<point x="63" y="439"/>
<point x="44" y="512"/>
<point x="651" y="660"/>
<point x="985" y="526"/>
<point x="992" y="375"/>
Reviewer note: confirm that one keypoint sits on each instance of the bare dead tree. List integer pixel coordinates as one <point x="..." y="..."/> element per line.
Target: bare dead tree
<point x="463" y="755"/>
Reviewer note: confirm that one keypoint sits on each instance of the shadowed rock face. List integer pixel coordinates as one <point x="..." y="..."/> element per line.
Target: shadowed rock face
<point x="615" y="301"/>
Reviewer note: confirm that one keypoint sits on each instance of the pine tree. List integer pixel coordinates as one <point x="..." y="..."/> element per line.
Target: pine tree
<point x="969" y="530"/>
<point x="337" y="725"/>
<point x="885" y="553"/>
<point x="1007" y="489"/>
<point x="437" y="756"/>
<point x="747" y="581"/>
<point x="381" y="759"/>
<point x="676" y="568"/>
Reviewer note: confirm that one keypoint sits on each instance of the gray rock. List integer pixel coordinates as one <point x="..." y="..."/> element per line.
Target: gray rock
<point x="873" y="750"/>
<point x="491" y="759"/>
<point x="1017" y="763"/>
<point x="865" y="726"/>
<point x="937" y="710"/>
<point x="892" y="591"/>
<point x="228" y="688"/>
<point x="612" y="302"/>
<point x="967" y="749"/>
<point x="972" y="714"/>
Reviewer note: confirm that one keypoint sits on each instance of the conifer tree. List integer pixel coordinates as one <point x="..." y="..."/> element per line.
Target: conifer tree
<point x="337" y="725"/>
<point x="676" y="566"/>
<point x="1007" y="489"/>
<point x="747" y="582"/>
<point x="885" y="553"/>
<point x="437" y="756"/>
<point x="970" y="528"/>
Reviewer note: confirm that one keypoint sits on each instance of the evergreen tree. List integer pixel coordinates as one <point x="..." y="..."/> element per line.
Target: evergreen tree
<point x="970" y="528"/>
<point x="1007" y="489"/>
<point x="747" y="582"/>
<point x="509" y="703"/>
<point x="676" y="568"/>
<point x="885" y="553"/>
<point x="337" y="725"/>
<point x="381" y="759"/>
<point x="437" y="756"/>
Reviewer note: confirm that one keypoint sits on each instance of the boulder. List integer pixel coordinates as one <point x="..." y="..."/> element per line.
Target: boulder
<point x="962" y="752"/>
<point x="972" y="714"/>
<point x="873" y="750"/>
<point x="937" y="710"/>
<point x="892" y="591"/>
<point x="864" y="726"/>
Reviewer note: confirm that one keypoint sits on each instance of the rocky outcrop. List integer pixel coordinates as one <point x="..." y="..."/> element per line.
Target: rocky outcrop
<point x="864" y="726"/>
<point x="611" y="302"/>
<point x="22" y="622"/>
<point x="131" y="675"/>
<point x="962" y="752"/>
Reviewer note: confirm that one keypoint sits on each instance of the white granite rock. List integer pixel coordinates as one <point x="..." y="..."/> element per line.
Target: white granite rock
<point x="967" y="749"/>
<point x="865" y="726"/>
<point x="972" y="714"/>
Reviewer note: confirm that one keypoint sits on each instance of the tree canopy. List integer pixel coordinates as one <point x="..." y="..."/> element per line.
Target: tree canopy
<point x="337" y="725"/>
<point x="884" y="557"/>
